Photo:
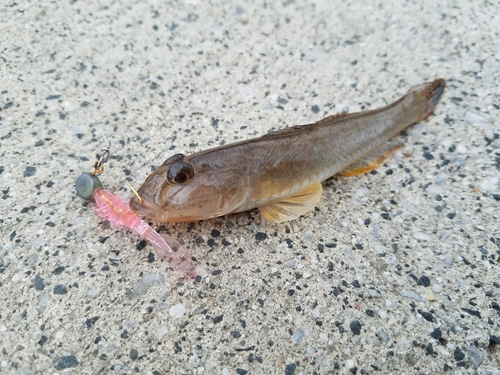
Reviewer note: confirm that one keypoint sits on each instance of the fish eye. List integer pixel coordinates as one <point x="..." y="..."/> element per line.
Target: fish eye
<point x="173" y="159"/>
<point x="180" y="173"/>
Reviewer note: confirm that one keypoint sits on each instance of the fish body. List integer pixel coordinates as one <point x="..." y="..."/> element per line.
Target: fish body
<point x="280" y="173"/>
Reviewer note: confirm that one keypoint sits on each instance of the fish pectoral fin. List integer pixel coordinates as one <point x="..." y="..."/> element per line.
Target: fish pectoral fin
<point x="292" y="207"/>
<point x="371" y="161"/>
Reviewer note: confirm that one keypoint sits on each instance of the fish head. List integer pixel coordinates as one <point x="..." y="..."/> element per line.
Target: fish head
<point x="187" y="189"/>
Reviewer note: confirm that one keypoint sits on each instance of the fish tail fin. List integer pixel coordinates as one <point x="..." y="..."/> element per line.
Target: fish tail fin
<point x="427" y="96"/>
<point x="421" y="101"/>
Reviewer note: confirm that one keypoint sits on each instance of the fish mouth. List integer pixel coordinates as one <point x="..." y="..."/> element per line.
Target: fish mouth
<point x="144" y="207"/>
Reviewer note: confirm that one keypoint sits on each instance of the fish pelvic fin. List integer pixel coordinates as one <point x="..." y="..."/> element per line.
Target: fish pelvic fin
<point x="292" y="207"/>
<point x="371" y="161"/>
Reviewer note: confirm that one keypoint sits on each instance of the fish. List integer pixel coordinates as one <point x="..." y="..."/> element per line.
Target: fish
<point x="280" y="173"/>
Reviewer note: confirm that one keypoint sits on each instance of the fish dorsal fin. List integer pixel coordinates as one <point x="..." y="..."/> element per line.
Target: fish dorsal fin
<point x="298" y="128"/>
<point x="333" y="117"/>
<point x="371" y="161"/>
<point x="289" y="130"/>
<point x="292" y="207"/>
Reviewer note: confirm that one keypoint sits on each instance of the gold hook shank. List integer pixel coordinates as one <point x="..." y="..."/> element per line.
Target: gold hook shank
<point x="134" y="191"/>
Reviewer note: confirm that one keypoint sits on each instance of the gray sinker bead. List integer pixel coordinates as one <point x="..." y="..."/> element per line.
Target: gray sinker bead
<point x="86" y="185"/>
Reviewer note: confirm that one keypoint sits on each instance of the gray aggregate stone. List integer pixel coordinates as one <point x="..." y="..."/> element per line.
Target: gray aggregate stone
<point x="476" y="357"/>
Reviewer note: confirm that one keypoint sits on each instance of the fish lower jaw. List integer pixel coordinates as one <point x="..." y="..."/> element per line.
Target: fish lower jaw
<point x="148" y="209"/>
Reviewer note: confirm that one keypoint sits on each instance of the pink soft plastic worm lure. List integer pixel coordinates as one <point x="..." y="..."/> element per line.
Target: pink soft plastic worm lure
<point x="114" y="209"/>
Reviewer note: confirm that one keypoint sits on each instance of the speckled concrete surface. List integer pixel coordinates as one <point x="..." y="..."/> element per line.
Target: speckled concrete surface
<point x="394" y="272"/>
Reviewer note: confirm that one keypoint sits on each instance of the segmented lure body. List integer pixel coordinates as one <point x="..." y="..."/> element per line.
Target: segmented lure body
<point x="114" y="209"/>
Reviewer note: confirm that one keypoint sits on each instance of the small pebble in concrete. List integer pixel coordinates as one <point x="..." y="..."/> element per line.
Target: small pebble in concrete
<point x="300" y="336"/>
<point x="65" y="362"/>
<point x="413" y="295"/>
<point x="177" y="311"/>
<point x="39" y="284"/>
<point x="436" y="334"/>
<point x="143" y="285"/>
<point x="60" y="289"/>
<point x="355" y="326"/>
<point x="458" y="354"/>
<point x="476" y="357"/>
<point x="134" y="354"/>
<point x="93" y="292"/>
<point x="290" y="369"/>
<point x="29" y="171"/>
